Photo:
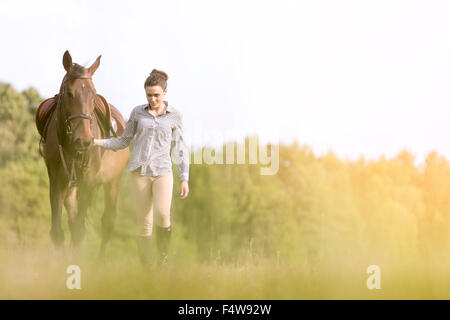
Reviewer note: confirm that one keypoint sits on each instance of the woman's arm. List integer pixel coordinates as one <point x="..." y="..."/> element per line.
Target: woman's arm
<point x="182" y="155"/>
<point x="120" y="142"/>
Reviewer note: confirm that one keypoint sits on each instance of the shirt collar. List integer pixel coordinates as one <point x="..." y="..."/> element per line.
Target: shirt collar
<point x="168" y="110"/>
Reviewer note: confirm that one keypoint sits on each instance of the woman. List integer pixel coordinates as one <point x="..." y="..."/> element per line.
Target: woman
<point x="157" y="129"/>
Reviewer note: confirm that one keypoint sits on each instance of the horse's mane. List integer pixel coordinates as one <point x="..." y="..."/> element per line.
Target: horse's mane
<point x="76" y="72"/>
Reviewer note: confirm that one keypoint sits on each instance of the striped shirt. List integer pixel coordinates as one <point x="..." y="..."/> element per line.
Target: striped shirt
<point x="155" y="138"/>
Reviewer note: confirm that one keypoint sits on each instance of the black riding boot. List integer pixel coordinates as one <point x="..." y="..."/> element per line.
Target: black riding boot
<point x="163" y="241"/>
<point x="145" y="250"/>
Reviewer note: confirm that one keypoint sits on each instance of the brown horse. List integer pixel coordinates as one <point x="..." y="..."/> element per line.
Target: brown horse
<point x="74" y="166"/>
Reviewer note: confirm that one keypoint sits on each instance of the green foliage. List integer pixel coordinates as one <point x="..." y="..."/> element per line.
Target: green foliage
<point x="314" y="211"/>
<point x="18" y="136"/>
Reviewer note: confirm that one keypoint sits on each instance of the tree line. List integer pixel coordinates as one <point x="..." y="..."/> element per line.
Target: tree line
<point x="315" y="208"/>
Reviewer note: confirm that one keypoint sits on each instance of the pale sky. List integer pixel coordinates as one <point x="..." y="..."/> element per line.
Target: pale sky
<point x="356" y="77"/>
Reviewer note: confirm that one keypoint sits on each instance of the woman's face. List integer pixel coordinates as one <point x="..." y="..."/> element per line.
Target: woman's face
<point x="155" y="96"/>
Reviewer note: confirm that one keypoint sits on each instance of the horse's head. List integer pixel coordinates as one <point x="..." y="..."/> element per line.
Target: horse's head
<point x="77" y="97"/>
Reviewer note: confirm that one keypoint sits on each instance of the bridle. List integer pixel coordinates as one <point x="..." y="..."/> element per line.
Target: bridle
<point x="67" y="121"/>
<point x="82" y="154"/>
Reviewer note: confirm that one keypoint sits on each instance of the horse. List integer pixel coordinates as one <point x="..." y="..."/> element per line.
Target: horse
<point x="75" y="167"/>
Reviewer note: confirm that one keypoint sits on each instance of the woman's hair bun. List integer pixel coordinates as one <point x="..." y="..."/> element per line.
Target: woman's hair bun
<point x="156" y="72"/>
<point x="157" y="78"/>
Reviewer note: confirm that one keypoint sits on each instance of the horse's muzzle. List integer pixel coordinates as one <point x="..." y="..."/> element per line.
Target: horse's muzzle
<point x="82" y="144"/>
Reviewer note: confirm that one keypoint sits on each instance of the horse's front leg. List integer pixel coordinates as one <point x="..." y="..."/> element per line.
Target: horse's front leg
<point x="111" y="190"/>
<point x="56" y="202"/>
<point x="78" y="201"/>
<point x="71" y="204"/>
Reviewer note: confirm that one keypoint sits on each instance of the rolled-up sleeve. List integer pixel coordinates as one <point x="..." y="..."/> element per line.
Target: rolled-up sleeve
<point x="125" y="139"/>
<point x="181" y="154"/>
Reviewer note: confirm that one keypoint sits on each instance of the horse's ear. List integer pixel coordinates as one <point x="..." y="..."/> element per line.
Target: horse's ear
<point x="67" y="61"/>
<point x="94" y="66"/>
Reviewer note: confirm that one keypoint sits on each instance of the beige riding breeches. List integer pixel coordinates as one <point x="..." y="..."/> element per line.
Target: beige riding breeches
<point x="153" y="196"/>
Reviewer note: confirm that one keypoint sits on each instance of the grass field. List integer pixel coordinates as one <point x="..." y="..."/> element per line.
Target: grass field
<point x="38" y="273"/>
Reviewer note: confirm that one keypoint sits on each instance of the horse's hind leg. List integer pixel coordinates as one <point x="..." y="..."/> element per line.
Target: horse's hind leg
<point x="111" y="190"/>
<point x="56" y="202"/>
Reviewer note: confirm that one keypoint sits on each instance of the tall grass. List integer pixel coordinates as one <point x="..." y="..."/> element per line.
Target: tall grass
<point x="40" y="273"/>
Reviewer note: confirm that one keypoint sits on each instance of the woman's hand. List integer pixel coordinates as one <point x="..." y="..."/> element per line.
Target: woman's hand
<point x="97" y="142"/>
<point x="184" y="189"/>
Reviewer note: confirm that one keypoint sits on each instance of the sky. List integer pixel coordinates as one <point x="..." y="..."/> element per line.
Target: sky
<point x="356" y="77"/>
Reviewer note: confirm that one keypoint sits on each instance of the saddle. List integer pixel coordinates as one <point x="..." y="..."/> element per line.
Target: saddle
<point x="110" y="120"/>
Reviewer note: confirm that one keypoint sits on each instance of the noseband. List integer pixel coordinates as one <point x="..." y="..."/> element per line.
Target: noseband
<point x="69" y="131"/>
